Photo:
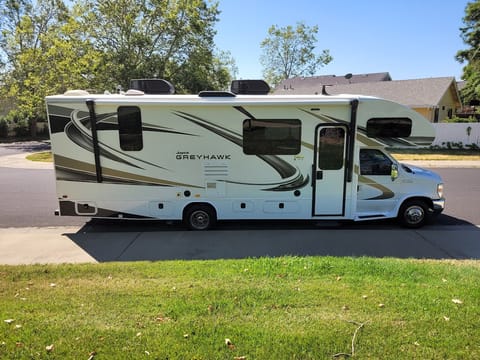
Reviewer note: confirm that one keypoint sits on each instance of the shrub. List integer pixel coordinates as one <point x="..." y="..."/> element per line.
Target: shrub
<point x="3" y="128"/>
<point x="22" y="129"/>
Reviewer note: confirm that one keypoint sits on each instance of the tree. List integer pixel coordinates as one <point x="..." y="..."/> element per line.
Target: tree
<point x="155" y="38"/>
<point x="47" y="47"/>
<point x="470" y="35"/>
<point x="44" y="52"/>
<point x="289" y="52"/>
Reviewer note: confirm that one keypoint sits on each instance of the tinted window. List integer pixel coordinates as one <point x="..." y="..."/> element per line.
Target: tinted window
<point x="130" y="128"/>
<point x="389" y="127"/>
<point x="331" y="148"/>
<point x="374" y="162"/>
<point x="271" y="137"/>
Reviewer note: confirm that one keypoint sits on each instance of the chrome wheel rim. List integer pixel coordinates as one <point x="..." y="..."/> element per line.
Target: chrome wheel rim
<point x="414" y="214"/>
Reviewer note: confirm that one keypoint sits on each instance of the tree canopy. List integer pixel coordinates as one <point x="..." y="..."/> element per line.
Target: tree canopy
<point x="470" y="34"/>
<point x="42" y="51"/>
<point x="289" y="51"/>
<point x="47" y="47"/>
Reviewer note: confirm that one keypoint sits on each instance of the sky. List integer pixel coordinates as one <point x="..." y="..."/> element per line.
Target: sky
<point x="410" y="39"/>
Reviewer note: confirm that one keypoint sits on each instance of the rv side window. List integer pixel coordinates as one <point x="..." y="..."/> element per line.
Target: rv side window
<point x="331" y="147"/>
<point x="374" y="162"/>
<point x="389" y="127"/>
<point x="271" y="137"/>
<point x="130" y="128"/>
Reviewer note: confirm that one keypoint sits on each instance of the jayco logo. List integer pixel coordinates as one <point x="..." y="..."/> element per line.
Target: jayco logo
<point x="188" y="156"/>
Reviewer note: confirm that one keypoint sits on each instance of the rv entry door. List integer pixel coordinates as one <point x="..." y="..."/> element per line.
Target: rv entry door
<point x="329" y="170"/>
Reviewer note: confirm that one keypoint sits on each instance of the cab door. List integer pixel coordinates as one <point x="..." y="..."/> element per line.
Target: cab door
<point x="377" y="192"/>
<point x="329" y="170"/>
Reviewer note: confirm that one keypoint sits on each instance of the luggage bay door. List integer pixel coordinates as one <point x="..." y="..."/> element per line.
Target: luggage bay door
<point x="329" y="170"/>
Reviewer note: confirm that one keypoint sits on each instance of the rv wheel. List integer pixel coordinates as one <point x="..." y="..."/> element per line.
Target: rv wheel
<point x="413" y="214"/>
<point x="200" y="217"/>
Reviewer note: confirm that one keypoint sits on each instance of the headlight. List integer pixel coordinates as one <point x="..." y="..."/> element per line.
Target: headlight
<point x="440" y="191"/>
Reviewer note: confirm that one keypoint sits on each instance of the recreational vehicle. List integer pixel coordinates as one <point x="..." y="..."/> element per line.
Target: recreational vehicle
<point x="237" y="155"/>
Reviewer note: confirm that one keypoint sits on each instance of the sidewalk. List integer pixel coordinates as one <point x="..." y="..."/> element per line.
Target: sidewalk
<point x="58" y="245"/>
<point x="47" y="245"/>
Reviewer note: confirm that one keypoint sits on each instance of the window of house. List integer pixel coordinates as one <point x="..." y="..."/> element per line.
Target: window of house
<point x="450" y="113"/>
<point x="389" y="127"/>
<point x="271" y="137"/>
<point x="374" y="162"/>
<point x="130" y="128"/>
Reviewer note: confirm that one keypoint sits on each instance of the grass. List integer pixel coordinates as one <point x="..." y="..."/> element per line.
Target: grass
<point x="429" y="154"/>
<point x="45" y="156"/>
<point x="269" y="308"/>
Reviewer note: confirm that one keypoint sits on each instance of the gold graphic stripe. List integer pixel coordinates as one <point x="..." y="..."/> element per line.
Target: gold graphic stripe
<point x="386" y="192"/>
<point x="76" y="165"/>
<point x="368" y="141"/>
<point x="307" y="145"/>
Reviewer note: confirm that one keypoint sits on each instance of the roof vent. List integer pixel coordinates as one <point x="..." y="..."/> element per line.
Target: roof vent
<point x="250" y="87"/>
<point x="209" y="93"/>
<point x="152" y="86"/>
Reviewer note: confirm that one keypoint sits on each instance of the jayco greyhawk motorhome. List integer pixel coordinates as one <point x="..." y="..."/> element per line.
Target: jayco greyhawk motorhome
<point x="233" y="155"/>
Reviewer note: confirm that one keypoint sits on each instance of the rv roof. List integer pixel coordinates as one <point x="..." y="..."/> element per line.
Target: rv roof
<point x="139" y="97"/>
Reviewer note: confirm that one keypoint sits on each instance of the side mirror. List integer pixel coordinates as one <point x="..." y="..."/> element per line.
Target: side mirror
<point x="394" y="172"/>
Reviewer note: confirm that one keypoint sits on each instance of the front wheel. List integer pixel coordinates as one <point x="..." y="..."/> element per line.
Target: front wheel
<point x="200" y="217"/>
<point x="413" y="214"/>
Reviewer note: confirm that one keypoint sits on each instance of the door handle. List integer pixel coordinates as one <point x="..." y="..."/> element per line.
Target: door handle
<point x="319" y="175"/>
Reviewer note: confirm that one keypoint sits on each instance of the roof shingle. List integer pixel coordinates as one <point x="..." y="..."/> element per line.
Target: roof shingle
<point x="417" y="92"/>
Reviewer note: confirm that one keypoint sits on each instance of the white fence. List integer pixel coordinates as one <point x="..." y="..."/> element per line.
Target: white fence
<point x="454" y="133"/>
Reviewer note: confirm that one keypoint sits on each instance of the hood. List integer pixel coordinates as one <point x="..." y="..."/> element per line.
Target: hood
<point x="418" y="171"/>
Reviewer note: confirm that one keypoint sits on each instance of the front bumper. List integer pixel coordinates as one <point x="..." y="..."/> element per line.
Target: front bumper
<point x="438" y="206"/>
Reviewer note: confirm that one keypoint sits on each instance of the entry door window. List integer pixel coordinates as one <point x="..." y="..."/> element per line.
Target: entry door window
<point x="331" y="148"/>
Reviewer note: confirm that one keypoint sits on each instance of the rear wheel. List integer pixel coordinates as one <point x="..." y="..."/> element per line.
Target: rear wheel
<point x="413" y="214"/>
<point x="200" y="217"/>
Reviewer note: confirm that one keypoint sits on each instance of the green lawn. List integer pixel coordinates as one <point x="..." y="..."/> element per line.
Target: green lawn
<point x="437" y="154"/>
<point x="267" y="308"/>
<point x="45" y="156"/>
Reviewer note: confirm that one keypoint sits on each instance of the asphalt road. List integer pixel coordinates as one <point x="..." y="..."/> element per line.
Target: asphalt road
<point x="28" y="199"/>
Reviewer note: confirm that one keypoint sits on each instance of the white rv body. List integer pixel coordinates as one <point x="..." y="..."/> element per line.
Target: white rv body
<point x="239" y="157"/>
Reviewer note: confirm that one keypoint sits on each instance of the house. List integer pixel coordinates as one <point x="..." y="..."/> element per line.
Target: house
<point x="435" y="98"/>
<point x="311" y="84"/>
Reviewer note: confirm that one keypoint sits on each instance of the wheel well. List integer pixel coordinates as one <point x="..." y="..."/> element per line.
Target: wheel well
<point x="424" y="199"/>
<point x="190" y="205"/>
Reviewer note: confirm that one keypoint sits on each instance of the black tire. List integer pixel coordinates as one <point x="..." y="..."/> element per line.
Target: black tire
<point x="200" y="217"/>
<point x="413" y="214"/>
